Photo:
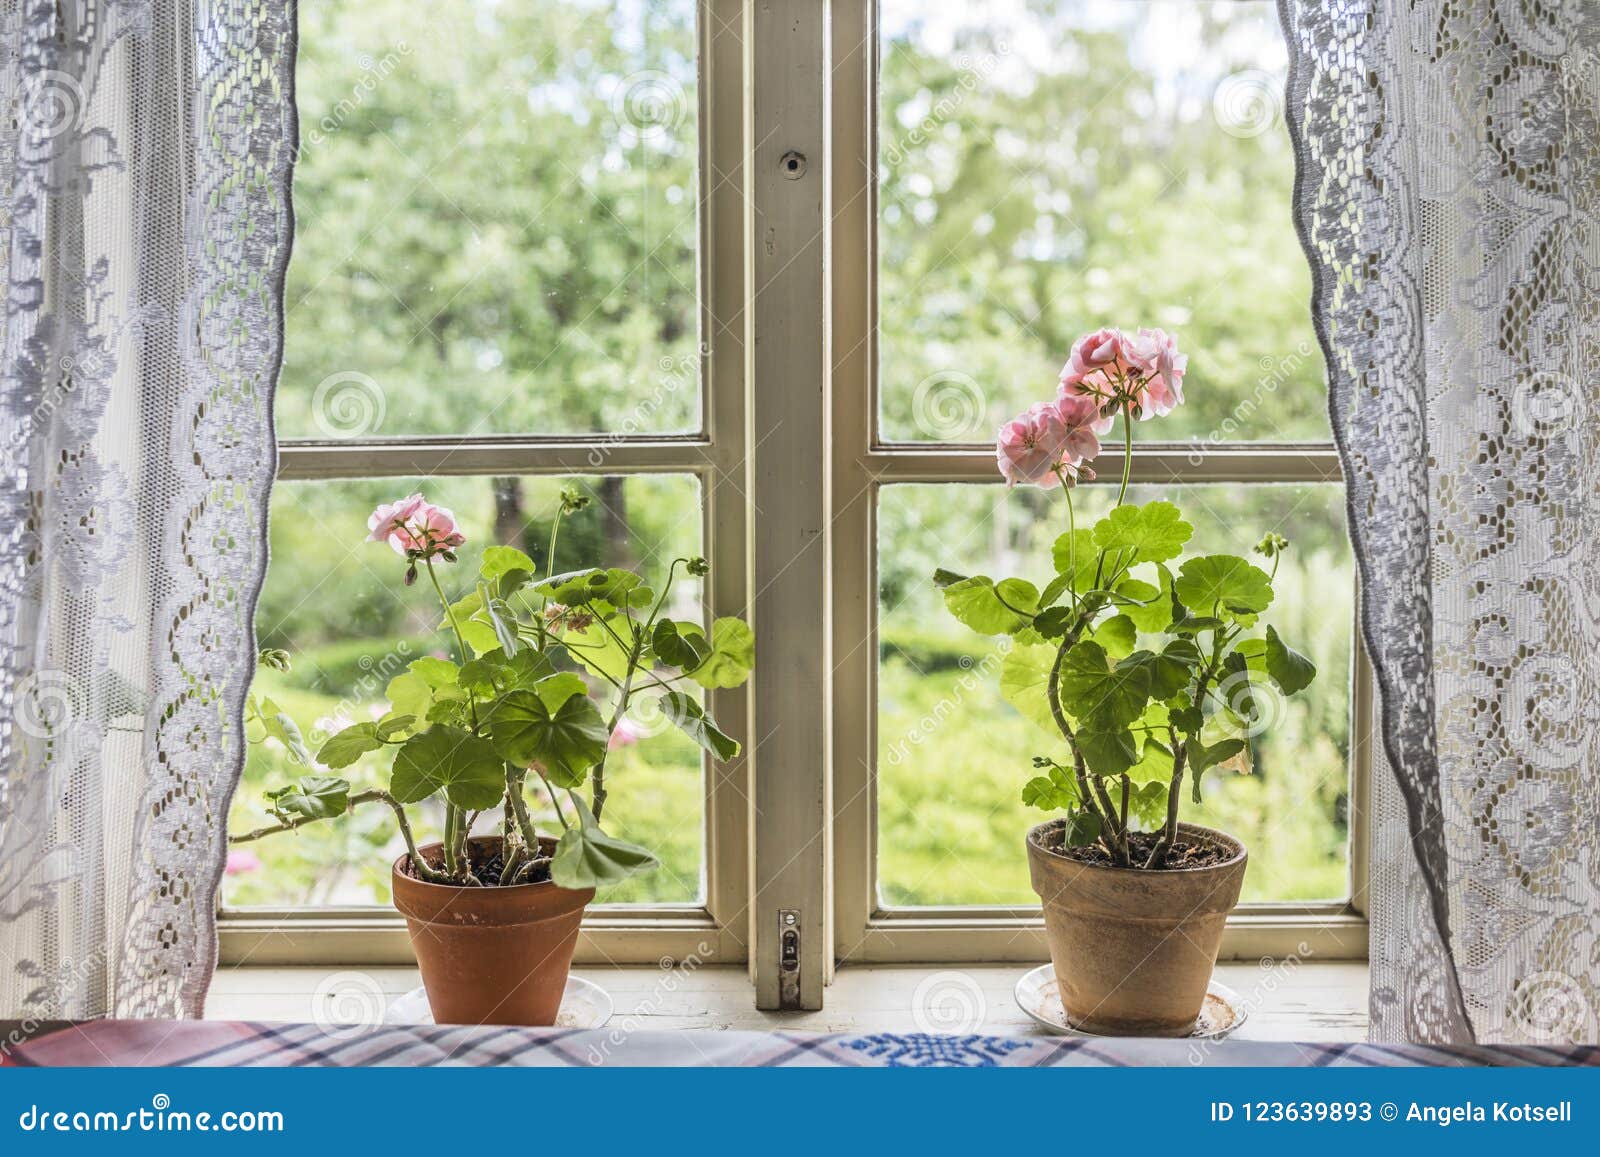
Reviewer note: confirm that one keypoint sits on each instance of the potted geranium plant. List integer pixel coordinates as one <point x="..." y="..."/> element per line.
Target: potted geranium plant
<point x="543" y="673"/>
<point x="1148" y="672"/>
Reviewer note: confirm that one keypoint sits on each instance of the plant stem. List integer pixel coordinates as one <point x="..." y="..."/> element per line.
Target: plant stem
<point x="1126" y="785"/>
<point x="451" y="865"/>
<point x="597" y="796"/>
<point x="555" y="802"/>
<point x="356" y="800"/>
<point x="555" y="532"/>
<point x="1087" y="786"/>
<point x="1127" y="454"/>
<point x="461" y="642"/>
<point x="1169" y="830"/>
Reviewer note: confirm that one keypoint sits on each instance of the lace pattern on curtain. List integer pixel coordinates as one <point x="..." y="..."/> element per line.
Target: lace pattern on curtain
<point x="1448" y="166"/>
<point x="144" y="228"/>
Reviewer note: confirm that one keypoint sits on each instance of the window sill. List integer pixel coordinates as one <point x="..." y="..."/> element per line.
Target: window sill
<point x="1288" y="1000"/>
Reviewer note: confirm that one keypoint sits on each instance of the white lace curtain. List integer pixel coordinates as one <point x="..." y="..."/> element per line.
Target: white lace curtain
<point x="1449" y="181"/>
<point x="145" y="152"/>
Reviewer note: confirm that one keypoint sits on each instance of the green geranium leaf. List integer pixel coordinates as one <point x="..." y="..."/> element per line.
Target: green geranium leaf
<point x="1117" y="635"/>
<point x="1024" y="681"/>
<point x="1107" y="750"/>
<point x="1081" y="830"/>
<point x="1055" y="792"/>
<point x="1156" y="614"/>
<point x="436" y="673"/>
<point x="1077" y="551"/>
<point x="1103" y="698"/>
<point x="468" y="614"/>
<point x="1154" y="765"/>
<point x="555" y="724"/>
<point x="315" y="797"/>
<point x="1156" y="531"/>
<point x="1053" y="623"/>
<point x="410" y="695"/>
<point x="392" y="725"/>
<point x="493" y="672"/>
<point x="464" y="767"/>
<point x="977" y="603"/>
<point x="1147" y="803"/>
<point x="352" y="743"/>
<point x="1222" y="580"/>
<point x="502" y="560"/>
<point x="601" y="650"/>
<point x="1203" y="757"/>
<point x="943" y="578"/>
<point x="692" y="720"/>
<point x="587" y="857"/>
<point x="733" y="653"/>
<point x="1289" y="669"/>
<point x="501" y="621"/>
<point x="581" y="587"/>
<point x="275" y="720"/>
<point x="1169" y="669"/>
<point x="681" y="645"/>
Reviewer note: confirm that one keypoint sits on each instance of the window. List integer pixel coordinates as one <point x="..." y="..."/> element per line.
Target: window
<point x="1022" y="177"/>
<point x="497" y="290"/>
<point x="775" y="321"/>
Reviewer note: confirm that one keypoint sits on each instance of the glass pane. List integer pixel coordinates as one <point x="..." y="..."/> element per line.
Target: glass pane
<point x="953" y="754"/>
<point x="1053" y="167"/>
<point x="496" y="220"/>
<point x="337" y="605"/>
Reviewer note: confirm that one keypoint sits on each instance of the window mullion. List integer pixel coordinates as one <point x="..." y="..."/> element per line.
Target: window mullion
<point x="788" y="516"/>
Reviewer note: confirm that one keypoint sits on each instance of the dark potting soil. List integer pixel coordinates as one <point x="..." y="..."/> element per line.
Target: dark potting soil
<point x="1183" y="853"/>
<point x="488" y="867"/>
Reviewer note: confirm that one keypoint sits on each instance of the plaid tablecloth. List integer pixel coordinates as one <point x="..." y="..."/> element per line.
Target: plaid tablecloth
<point x="130" y="1042"/>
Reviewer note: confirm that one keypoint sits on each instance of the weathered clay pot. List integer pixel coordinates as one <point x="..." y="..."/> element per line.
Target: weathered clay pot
<point x="1133" y="950"/>
<point x="491" y="955"/>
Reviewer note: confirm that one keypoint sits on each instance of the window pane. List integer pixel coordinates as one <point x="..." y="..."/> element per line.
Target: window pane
<point x="496" y="220"/>
<point x="1049" y="168"/>
<point x="953" y="754"/>
<point x="336" y="603"/>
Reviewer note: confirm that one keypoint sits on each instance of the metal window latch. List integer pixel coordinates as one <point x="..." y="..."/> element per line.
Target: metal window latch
<point x="788" y="959"/>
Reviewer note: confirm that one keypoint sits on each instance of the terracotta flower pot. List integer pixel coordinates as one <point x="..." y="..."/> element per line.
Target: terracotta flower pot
<point x="491" y="955"/>
<point x="1133" y="950"/>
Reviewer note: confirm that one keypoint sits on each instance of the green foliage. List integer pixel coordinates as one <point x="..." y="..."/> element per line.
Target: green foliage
<point x="992" y="608"/>
<point x="554" y="724"/>
<point x="276" y="724"/>
<point x="1290" y="670"/>
<point x="733" y="654"/>
<point x="314" y="797"/>
<point x="1154" y="532"/>
<point x="468" y="728"/>
<point x="1223" y="582"/>
<point x="692" y="720"/>
<point x="587" y="857"/>
<point x="1142" y="682"/>
<point x="465" y="767"/>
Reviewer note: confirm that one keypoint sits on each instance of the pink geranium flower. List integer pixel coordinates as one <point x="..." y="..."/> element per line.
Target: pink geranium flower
<point x="242" y="860"/>
<point x="1141" y="375"/>
<point x="415" y="527"/>
<point x="1155" y="353"/>
<point x="1050" y="441"/>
